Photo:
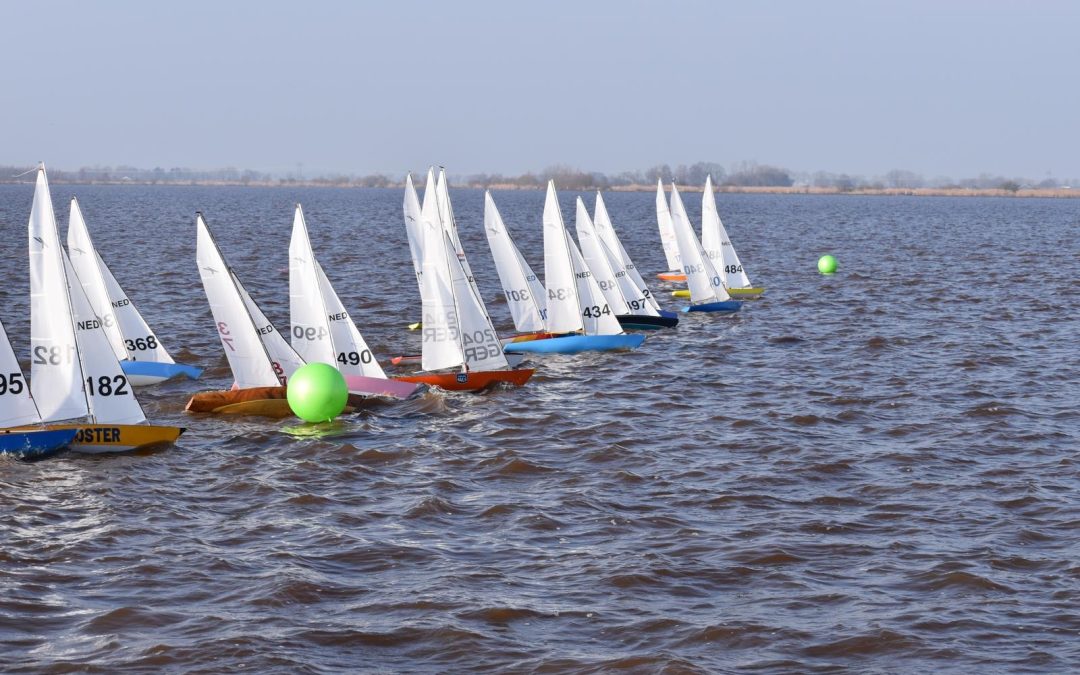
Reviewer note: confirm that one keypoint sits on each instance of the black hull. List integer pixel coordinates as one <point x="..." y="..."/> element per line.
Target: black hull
<point x="646" y="322"/>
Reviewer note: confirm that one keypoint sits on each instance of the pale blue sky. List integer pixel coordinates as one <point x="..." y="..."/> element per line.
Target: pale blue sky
<point x="938" y="87"/>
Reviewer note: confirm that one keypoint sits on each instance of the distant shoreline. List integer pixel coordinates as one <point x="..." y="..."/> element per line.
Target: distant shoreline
<point x="1062" y="193"/>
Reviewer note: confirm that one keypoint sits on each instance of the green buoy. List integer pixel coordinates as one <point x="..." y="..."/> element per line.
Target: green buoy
<point x="826" y="264"/>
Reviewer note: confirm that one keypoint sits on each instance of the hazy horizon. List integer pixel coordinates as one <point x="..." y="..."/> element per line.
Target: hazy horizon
<point x="959" y="89"/>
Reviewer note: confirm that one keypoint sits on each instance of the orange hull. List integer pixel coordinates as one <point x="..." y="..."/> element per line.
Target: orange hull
<point x="262" y="401"/>
<point x="473" y="380"/>
<point x="671" y="276"/>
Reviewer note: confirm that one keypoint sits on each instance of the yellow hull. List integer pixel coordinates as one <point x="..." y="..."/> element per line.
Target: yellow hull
<point x="97" y="438"/>
<point x="747" y="293"/>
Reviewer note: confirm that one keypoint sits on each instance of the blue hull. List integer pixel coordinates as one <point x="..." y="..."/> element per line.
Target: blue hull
<point x="670" y="315"/>
<point x="726" y="306"/>
<point x="572" y="344"/>
<point x="162" y="370"/>
<point x="36" y="443"/>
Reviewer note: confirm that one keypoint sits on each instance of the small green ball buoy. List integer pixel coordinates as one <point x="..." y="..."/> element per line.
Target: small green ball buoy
<point x="317" y="392"/>
<point x="826" y="264"/>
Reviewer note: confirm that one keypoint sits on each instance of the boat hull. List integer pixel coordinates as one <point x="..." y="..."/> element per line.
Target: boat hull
<point x="681" y="293"/>
<point x="380" y="386"/>
<point x="261" y="401"/>
<point x="101" y="438"/>
<point x="472" y="380"/>
<point x="671" y="276"/>
<point x="572" y="344"/>
<point x="145" y="373"/>
<point x="748" y="293"/>
<point x="646" y="321"/>
<point x="40" y="442"/>
<point x="725" y="306"/>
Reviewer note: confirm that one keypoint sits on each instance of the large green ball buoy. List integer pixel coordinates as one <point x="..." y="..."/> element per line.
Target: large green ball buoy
<point x="317" y="392"/>
<point x="826" y="264"/>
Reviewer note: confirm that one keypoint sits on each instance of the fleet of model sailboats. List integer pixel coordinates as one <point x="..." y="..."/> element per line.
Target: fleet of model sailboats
<point x="577" y="311"/>
<point x="75" y="378"/>
<point x="90" y="345"/>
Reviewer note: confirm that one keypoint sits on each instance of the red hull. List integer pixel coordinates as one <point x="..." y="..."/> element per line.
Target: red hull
<point x="473" y="380"/>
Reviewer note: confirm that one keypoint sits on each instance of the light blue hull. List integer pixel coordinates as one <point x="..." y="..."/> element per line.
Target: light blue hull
<point x="151" y="372"/>
<point x="726" y="306"/>
<point x="572" y="344"/>
<point x="36" y="443"/>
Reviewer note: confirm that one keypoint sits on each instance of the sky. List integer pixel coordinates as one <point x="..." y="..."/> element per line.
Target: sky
<point x="942" y="88"/>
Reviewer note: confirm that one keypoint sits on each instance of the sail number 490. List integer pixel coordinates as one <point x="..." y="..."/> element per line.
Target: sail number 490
<point x="354" y="358"/>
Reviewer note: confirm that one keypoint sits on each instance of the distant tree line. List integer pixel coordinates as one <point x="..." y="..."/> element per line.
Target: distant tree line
<point x="740" y="175"/>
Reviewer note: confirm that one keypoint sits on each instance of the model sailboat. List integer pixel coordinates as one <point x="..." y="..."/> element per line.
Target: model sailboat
<point x="75" y="379"/>
<point x="577" y="310"/>
<point x="707" y="292"/>
<point x="17" y="409"/>
<point x="667" y="238"/>
<point x="718" y="248"/>
<point x="260" y="358"/>
<point x="322" y="330"/>
<point x="631" y="306"/>
<point x="606" y="230"/>
<point x="141" y="354"/>
<point x="457" y="333"/>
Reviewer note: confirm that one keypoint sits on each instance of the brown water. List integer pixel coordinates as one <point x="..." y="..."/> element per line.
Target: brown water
<point x="870" y="472"/>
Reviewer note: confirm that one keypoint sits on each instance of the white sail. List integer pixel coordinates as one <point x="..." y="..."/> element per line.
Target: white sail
<point x="16" y="405"/>
<point x="129" y="334"/>
<point x="523" y="291"/>
<point x="592" y="249"/>
<point x="717" y="245"/>
<point x="480" y="344"/>
<point x="56" y="381"/>
<point x="247" y="357"/>
<point x="596" y="315"/>
<point x="110" y="396"/>
<point x="413" y="228"/>
<point x="702" y="279"/>
<point x="446" y="215"/>
<point x="84" y="259"/>
<point x="310" y="335"/>
<point x="607" y="233"/>
<point x="139" y="340"/>
<point x="667" y="230"/>
<point x="321" y="327"/>
<point x="354" y="357"/>
<point x="563" y="307"/>
<point x="283" y="358"/>
<point x="441" y="339"/>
